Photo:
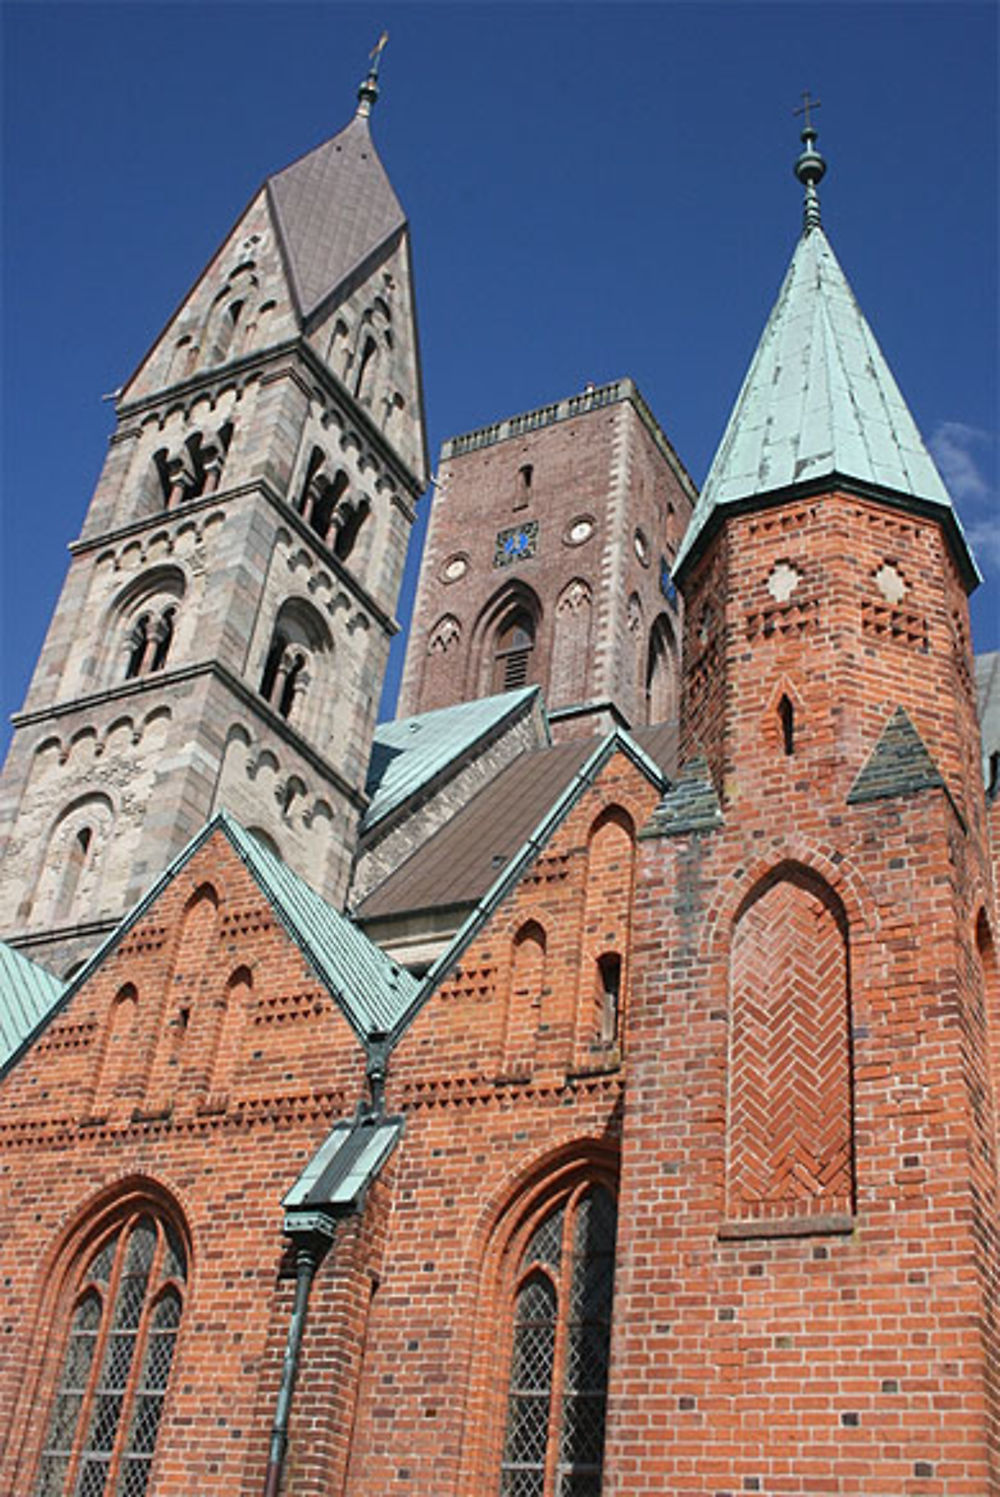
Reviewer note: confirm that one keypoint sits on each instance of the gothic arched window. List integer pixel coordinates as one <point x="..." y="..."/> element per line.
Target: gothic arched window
<point x="126" y="1310"/>
<point x="560" y="1338"/>
<point x="661" y="672"/>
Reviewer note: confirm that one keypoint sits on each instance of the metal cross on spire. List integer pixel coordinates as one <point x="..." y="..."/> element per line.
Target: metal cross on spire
<point x="810" y="167"/>
<point x="805" y="107"/>
<point x="368" y="92"/>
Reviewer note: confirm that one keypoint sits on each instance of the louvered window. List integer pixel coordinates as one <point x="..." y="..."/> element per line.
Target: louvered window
<point x="106" y="1414"/>
<point x="557" y="1392"/>
<point x="514" y="644"/>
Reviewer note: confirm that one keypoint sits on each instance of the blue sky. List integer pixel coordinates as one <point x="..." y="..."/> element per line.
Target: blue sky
<point x="594" y="189"/>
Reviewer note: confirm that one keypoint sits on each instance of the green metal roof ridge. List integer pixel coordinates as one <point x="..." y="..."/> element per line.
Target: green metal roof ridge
<point x="486" y="715"/>
<point x="508" y="876"/>
<point x="27" y="992"/>
<point x="368" y="986"/>
<point x="340" y="954"/>
<point x="817" y="402"/>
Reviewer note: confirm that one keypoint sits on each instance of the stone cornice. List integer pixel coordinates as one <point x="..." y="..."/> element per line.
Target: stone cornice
<point x="150" y="685"/>
<point x="288" y="516"/>
<point x="267" y="365"/>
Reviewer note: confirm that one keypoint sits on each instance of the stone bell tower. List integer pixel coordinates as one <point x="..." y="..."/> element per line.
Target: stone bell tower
<point x="222" y="633"/>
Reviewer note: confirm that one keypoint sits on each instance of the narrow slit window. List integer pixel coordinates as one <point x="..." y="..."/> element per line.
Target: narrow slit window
<point x="786" y="717"/>
<point x="609" y="968"/>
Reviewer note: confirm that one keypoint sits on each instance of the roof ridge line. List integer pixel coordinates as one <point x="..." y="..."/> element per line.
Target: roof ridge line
<point x="509" y="875"/>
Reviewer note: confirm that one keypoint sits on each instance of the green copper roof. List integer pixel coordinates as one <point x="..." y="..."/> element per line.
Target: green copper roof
<point x="819" y="402"/>
<point x="370" y="988"/>
<point x="27" y="993"/>
<point x="412" y="751"/>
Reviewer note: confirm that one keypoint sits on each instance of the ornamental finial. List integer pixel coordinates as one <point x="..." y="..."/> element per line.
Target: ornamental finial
<point x="368" y="92"/>
<point x="810" y="168"/>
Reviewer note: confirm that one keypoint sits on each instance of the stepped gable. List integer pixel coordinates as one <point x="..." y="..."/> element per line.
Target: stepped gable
<point x="335" y="209"/>
<point x="371" y="989"/>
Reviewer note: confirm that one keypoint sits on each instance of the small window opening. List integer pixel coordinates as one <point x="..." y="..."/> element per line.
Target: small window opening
<point x="367" y="355"/>
<point x="350" y="518"/>
<point x="274" y="656"/>
<point x="326" y="501"/>
<point x="993" y="778"/>
<point x="76" y="862"/>
<point x="315" y="463"/>
<point x="513" y="654"/>
<point x="786" y="716"/>
<point x="609" y="968"/>
<point x="163" y="636"/>
<point x="138" y="642"/>
<point x="292" y="680"/>
<point x="522" y="494"/>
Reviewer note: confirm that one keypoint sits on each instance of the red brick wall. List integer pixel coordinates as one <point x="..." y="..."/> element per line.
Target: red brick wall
<point x="851" y="1350"/>
<point x="603" y="465"/>
<point x="490" y="1134"/>
<point x="107" y="1108"/>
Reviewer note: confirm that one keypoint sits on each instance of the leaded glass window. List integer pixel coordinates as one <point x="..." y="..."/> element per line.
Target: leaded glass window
<point x="561" y="1331"/>
<point x="106" y="1412"/>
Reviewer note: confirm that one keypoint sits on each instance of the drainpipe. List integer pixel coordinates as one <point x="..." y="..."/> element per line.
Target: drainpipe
<point x="309" y="1251"/>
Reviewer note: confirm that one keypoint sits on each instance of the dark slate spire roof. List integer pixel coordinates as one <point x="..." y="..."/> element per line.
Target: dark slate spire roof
<point x="819" y="402"/>
<point x="334" y="208"/>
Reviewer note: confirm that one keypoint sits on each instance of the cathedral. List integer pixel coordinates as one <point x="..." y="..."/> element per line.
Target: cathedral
<point x="586" y="1083"/>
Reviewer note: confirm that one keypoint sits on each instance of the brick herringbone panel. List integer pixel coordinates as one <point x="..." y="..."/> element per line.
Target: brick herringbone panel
<point x="789" y="1144"/>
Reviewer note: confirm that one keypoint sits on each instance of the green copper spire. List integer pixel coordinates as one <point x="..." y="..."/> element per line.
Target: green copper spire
<point x="810" y="168"/>
<point x="819" y="406"/>
<point x="368" y="92"/>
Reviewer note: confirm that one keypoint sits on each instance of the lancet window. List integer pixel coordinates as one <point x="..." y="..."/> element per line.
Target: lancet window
<point x="553" y="1444"/>
<point x="105" y="1418"/>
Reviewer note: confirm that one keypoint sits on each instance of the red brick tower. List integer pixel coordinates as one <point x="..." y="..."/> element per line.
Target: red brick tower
<point x="548" y="562"/>
<point x="807" y="1252"/>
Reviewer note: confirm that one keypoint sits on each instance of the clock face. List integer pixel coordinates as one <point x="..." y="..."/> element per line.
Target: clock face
<point x="454" y="568"/>
<point x="516" y="543"/>
<point x="579" y="531"/>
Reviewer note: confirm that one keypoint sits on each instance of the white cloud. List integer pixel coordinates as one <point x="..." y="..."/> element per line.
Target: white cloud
<point x="962" y="453"/>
